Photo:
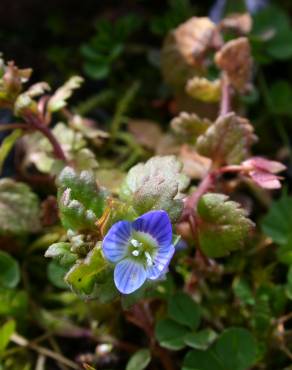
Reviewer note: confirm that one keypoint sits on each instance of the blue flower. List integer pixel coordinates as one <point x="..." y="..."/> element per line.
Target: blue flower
<point x="141" y="249"/>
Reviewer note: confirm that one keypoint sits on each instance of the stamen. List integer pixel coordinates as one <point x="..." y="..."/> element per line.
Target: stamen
<point x="135" y="243"/>
<point x="135" y="253"/>
<point x="148" y="259"/>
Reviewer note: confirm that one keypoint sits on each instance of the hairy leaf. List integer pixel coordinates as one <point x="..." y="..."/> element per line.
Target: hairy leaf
<point x="223" y="225"/>
<point x="19" y="208"/>
<point x="155" y="185"/>
<point x="59" y="99"/>
<point x="228" y="140"/>
<point x="203" y="89"/>
<point x="189" y="126"/>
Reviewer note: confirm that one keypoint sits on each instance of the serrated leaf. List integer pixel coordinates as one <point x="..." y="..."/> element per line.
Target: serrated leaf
<point x="182" y="309"/>
<point x="6" y="331"/>
<point x="277" y="223"/>
<point x="234" y="58"/>
<point x="203" y="89"/>
<point x="170" y="334"/>
<point x="189" y="126"/>
<point x="223" y="225"/>
<point x="228" y="140"/>
<point x="9" y="271"/>
<point x="38" y="150"/>
<point x="139" y="360"/>
<point x="155" y="185"/>
<point x="81" y="201"/>
<point x="59" y="99"/>
<point x="19" y="208"/>
<point x="200" y="340"/>
<point x="62" y="253"/>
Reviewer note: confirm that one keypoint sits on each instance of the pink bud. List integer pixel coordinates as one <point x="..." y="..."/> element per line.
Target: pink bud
<point x="262" y="164"/>
<point x="265" y="179"/>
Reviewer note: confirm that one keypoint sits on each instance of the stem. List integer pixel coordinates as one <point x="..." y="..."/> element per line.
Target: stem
<point x="13" y="126"/>
<point x="23" y="342"/>
<point x="36" y="122"/>
<point x="225" y="103"/>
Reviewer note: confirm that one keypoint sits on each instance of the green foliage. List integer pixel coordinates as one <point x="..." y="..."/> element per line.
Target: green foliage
<point x="170" y="334"/>
<point x="81" y="201"/>
<point x="19" y="208"/>
<point x="278" y="222"/>
<point x="235" y="349"/>
<point x="139" y="360"/>
<point x="107" y="45"/>
<point x="6" y="331"/>
<point x="183" y="310"/>
<point x="155" y="185"/>
<point x="271" y="35"/>
<point x="200" y="340"/>
<point x="179" y="11"/>
<point x="280" y="98"/>
<point x="223" y="225"/>
<point x="9" y="271"/>
<point x="92" y="277"/>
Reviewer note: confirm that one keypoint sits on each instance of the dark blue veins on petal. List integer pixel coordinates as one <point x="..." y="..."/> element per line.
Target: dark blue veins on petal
<point x="129" y="276"/>
<point x="157" y="224"/>
<point x="115" y="243"/>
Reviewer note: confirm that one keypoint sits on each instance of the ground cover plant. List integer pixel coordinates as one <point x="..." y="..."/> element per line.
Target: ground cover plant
<point x="148" y="226"/>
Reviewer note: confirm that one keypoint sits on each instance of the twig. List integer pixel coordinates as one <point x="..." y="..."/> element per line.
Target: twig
<point x="23" y="342"/>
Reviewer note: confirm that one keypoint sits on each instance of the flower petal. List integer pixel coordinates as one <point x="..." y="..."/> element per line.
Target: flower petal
<point x="157" y="224"/>
<point x="161" y="262"/>
<point x="115" y="243"/>
<point x="129" y="275"/>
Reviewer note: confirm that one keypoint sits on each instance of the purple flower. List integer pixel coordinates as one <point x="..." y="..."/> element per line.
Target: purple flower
<point x="141" y="249"/>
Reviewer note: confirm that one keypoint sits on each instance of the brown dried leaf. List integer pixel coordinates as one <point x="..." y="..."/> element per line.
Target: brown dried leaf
<point x="184" y="49"/>
<point x="241" y="23"/>
<point x="235" y="59"/>
<point x="228" y="140"/>
<point x="203" y="89"/>
<point x="147" y="133"/>
<point x="195" y="166"/>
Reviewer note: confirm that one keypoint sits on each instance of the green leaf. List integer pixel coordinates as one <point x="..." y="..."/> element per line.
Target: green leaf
<point x="19" y="208"/>
<point x="92" y="277"/>
<point x="59" y="99"/>
<point x="182" y="309"/>
<point x="228" y="140"/>
<point x="81" y="202"/>
<point x="278" y="222"/>
<point x="62" y="253"/>
<point x="6" y="331"/>
<point x="170" y="334"/>
<point x="7" y="145"/>
<point x="13" y="303"/>
<point x="223" y="225"/>
<point x="155" y="185"/>
<point x="235" y="349"/>
<point x="139" y="360"/>
<point x="9" y="271"/>
<point x="56" y="274"/>
<point x="200" y="340"/>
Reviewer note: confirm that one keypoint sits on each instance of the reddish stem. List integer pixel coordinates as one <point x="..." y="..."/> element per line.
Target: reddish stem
<point x="36" y="123"/>
<point x="225" y="104"/>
